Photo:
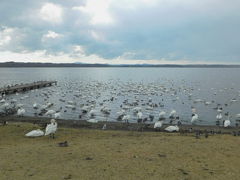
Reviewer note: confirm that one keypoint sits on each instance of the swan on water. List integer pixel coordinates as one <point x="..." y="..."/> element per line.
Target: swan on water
<point x="172" y="114"/>
<point x="57" y="115"/>
<point x="162" y="115"/>
<point x="21" y="112"/>
<point x="92" y="113"/>
<point x="51" y="128"/>
<point x="35" y="106"/>
<point x="126" y="118"/>
<point x="2" y="101"/>
<point x="219" y="116"/>
<point x="227" y="122"/>
<point x="158" y="124"/>
<point x="50" y="113"/>
<point x="194" y="118"/>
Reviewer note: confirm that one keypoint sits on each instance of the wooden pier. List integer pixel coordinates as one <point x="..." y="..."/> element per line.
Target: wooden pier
<point x="26" y="87"/>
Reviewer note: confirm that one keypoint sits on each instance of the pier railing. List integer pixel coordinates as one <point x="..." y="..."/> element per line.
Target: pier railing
<point x="25" y="87"/>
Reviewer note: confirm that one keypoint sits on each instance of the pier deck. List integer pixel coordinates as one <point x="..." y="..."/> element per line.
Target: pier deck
<point x="26" y="87"/>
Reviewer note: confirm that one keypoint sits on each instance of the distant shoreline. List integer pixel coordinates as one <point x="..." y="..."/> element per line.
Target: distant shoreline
<point x="81" y="65"/>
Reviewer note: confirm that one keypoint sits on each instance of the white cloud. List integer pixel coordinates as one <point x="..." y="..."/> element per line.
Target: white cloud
<point x="6" y="36"/>
<point x="43" y="56"/>
<point x="78" y="49"/>
<point x="51" y="12"/>
<point x="97" y="36"/>
<point x="98" y="10"/>
<point x="51" y="35"/>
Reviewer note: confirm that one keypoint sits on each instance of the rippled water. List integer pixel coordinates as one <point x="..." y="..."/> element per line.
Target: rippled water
<point x="172" y="88"/>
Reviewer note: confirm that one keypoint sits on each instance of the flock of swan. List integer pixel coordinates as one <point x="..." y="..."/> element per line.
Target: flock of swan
<point x="134" y="102"/>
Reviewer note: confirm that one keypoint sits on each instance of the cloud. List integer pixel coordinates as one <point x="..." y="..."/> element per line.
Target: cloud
<point x="51" y="13"/>
<point x="97" y="10"/>
<point x="114" y="31"/>
<point x="51" y="35"/>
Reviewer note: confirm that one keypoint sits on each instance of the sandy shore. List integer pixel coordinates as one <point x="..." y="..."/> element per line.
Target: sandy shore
<point x="98" y="154"/>
<point x="118" y="125"/>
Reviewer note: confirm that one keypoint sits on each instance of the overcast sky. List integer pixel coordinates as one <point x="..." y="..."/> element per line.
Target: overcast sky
<point x="120" y="31"/>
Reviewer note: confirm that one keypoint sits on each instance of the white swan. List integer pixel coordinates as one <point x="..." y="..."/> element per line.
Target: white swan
<point x="172" y="113"/>
<point x="237" y="115"/>
<point x="227" y="123"/>
<point x="21" y="112"/>
<point x="92" y="120"/>
<point x="126" y="118"/>
<point x="158" y="124"/>
<point x="57" y="115"/>
<point x="92" y="113"/>
<point x="51" y="128"/>
<point x="194" y="118"/>
<point x="35" y="133"/>
<point x="172" y="128"/>
<point x="219" y="116"/>
<point x="50" y="113"/>
<point x="2" y="101"/>
<point x="162" y="114"/>
<point x="139" y="115"/>
<point x="35" y="106"/>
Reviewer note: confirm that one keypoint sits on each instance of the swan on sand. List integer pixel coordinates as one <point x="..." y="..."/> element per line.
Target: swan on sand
<point x="172" y="128"/>
<point x="35" y="133"/>
<point x="51" y="128"/>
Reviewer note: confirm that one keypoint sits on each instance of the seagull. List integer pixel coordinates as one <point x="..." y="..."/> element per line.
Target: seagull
<point x="51" y="128"/>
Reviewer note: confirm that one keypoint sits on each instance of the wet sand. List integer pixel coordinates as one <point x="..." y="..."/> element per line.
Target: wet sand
<point x="98" y="154"/>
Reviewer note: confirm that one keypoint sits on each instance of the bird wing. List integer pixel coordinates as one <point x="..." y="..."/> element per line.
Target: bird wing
<point x="35" y="133"/>
<point x="48" y="129"/>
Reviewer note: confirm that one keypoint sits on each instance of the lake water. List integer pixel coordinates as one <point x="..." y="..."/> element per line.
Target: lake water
<point x="152" y="89"/>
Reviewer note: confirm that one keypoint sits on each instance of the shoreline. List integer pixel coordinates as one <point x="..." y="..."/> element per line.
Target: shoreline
<point x="83" y="124"/>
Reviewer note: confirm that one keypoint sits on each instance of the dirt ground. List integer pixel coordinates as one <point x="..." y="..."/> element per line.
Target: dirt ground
<point x="98" y="154"/>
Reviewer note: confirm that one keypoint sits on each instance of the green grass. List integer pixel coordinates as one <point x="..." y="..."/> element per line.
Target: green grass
<point x="116" y="155"/>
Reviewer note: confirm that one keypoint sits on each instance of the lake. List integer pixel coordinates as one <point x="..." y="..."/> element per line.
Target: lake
<point x="151" y="89"/>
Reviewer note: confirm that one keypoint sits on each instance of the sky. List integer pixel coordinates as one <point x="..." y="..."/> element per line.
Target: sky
<point x="120" y="31"/>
